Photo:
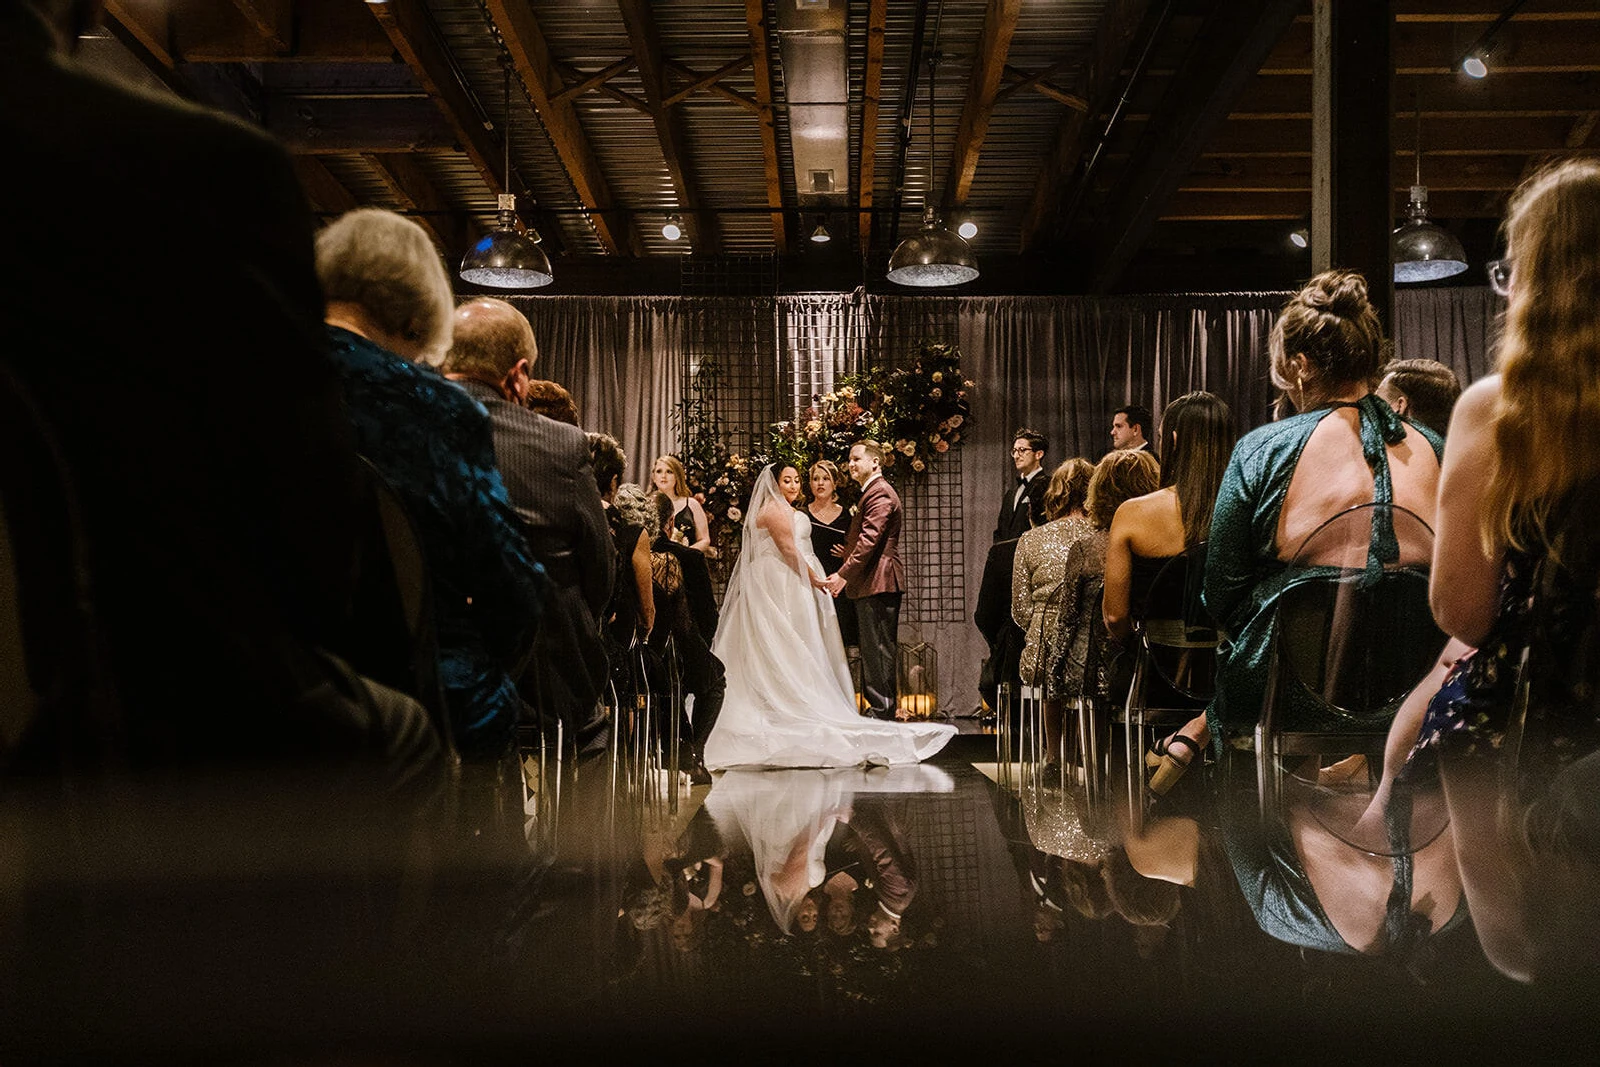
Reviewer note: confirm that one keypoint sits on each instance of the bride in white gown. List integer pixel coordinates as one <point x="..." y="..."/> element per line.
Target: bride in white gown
<point x="790" y="702"/>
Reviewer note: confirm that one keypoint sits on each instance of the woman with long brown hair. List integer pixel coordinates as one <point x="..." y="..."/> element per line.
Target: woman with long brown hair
<point x="1197" y="436"/>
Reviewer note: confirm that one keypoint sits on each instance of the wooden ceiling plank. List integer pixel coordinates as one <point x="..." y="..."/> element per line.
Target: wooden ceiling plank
<point x="646" y="43"/>
<point x="334" y="126"/>
<point x="1113" y="39"/>
<point x="872" y="93"/>
<point x="1240" y="35"/>
<point x="989" y="64"/>
<point x="327" y="194"/>
<point x="530" y="57"/>
<point x="704" y="81"/>
<point x="592" y="81"/>
<point x="452" y="230"/>
<point x="272" y="19"/>
<point x="146" y="23"/>
<point x="755" y="16"/>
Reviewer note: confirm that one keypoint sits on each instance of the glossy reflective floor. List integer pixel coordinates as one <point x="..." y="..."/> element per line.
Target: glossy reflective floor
<point x="881" y="915"/>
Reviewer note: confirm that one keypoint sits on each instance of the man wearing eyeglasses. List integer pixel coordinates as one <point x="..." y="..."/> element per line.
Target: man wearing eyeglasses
<point x="1022" y="506"/>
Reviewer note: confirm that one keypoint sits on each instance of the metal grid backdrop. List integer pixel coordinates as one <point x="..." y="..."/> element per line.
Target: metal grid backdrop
<point x="752" y="359"/>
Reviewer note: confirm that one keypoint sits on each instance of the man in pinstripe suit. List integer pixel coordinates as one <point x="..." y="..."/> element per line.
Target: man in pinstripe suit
<point x="545" y="466"/>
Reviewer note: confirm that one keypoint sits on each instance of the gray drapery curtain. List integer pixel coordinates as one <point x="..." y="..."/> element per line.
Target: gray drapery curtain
<point x="1057" y="364"/>
<point x="622" y="358"/>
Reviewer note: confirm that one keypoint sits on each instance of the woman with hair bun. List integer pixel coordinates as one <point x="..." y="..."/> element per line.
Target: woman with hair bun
<point x="1343" y="448"/>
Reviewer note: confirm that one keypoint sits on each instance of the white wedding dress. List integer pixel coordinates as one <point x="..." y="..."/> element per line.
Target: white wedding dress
<point x="790" y="702"/>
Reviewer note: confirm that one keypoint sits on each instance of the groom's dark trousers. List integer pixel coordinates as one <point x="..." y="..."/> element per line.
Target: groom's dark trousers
<point x="879" y="617"/>
<point x="874" y="580"/>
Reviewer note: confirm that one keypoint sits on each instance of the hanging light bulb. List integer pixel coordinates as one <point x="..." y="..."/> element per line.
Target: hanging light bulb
<point x="1423" y="251"/>
<point x="507" y="258"/>
<point x="672" y="229"/>
<point x="935" y="256"/>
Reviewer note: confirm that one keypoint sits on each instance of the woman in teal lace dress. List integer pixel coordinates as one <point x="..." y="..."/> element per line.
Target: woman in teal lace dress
<point x="1346" y="447"/>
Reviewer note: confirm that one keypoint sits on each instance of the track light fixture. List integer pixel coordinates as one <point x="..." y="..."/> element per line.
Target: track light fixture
<point x="672" y="229"/>
<point x="967" y="230"/>
<point x="1475" y="62"/>
<point x="1300" y="238"/>
<point x="820" y="235"/>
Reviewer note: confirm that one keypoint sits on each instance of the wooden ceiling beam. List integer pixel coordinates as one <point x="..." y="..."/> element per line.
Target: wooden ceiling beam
<point x="1020" y="79"/>
<point x="146" y="23"/>
<point x="755" y="17"/>
<point x="327" y="194"/>
<point x="332" y="126"/>
<point x="1238" y="36"/>
<point x="871" y="97"/>
<point x="1232" y="207"/>
<point x="1435" y="48"/>
<point x="749" y="103"/>
<point x="645" y="41"/>
<point x="1441" y="136"/>
<point x="1118" y="27"/>
<point x="320" y="33"/>
<point x="592" y="81"/>
<point x="453" y="231"/>
<point x="273" y="20"/>
<point x="705" y="81"/>
<point x="1260" y="175"/>
<point x="530" y="56"/>
<point x="989" y="64"/>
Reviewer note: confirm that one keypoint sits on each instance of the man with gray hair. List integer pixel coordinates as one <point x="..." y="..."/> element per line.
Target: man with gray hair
<point x="550" y="482"/>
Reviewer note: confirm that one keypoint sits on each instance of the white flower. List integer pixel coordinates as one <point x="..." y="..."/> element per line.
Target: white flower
<point x="734" y="514"/>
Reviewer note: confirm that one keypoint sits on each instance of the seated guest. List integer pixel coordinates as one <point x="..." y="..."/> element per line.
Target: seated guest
<point x="548" y="478"/>
<point x="1197" y="438"/>
<point x="1046" y="581"/>
<point x="551" y="400"/>
<point x="220" y="532"/>
<point x="1422" y="390"/>
<point x="390" y="317"/>
<point x="631" y="612"/>
<point x="1344" y="447"/>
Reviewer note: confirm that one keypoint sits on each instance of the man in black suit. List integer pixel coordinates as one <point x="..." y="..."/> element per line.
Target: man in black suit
<point x="1131" y="427"/>
<point x="546" y="468"/>
<point x="1022" y="506"/>
<point x="1000" y="630"/>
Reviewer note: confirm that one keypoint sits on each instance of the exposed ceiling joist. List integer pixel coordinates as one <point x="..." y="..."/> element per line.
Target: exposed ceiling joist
<point x="530" y="56"/>
<point x="646" y="43"/>
<point x="327" y="194"/>
<point x="755" y="14"/>
<point x="1112" y="42"/>
<point x="272" y="19"/>
<point x="592" y="81"/>
<point x="872" y="91"/>
<point x="318" y="33"/>
<point x="716" y="88"/>
<point x="452" y="231"/>
<point x="705" y="81"/>
<point x="994" y="45"/>
<point x="1237" y="35"/>
<point x="324" y="126"/>
<point x="150" y="28"/>
<point x="1040" y="83"/>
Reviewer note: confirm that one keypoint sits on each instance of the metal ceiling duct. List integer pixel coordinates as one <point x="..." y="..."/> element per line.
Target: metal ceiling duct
<point x="816" y="87"/>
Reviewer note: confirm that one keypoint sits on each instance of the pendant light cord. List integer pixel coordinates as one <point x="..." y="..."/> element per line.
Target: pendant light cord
<point x="505" y="114"/>
<point x="933" y="68"/>
<point x="1417" y="145"/>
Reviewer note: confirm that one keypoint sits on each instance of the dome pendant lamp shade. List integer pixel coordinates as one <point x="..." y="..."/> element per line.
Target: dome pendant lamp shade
<point x="933" y="257"/>
<point x="1421" y="250"/>
<point x="1424" y="252"/>
<point x="506" y="259"/>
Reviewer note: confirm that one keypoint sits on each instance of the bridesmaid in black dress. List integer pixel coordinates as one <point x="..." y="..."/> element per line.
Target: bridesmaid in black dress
<point x="830" y="522"/>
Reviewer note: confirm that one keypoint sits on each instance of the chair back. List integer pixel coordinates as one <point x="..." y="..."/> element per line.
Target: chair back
<point x="1354" y="632"/>
<point x="392" y="638"/>
<point x="1175" y="631"/>
<point x="58" y="701"/>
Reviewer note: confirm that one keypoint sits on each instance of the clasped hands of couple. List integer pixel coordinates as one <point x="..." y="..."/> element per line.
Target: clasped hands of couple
<point x="832" y="583"/>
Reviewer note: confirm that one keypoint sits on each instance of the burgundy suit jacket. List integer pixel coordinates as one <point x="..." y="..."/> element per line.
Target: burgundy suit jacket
<point x="872" y="547"/>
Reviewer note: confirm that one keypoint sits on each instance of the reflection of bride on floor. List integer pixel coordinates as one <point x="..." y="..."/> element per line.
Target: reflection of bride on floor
<point x="790" y="701"/>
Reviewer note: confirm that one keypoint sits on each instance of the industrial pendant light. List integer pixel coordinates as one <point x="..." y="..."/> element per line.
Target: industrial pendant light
<point x="935" y="256"/>
<point x="506" y="258"/>
<point x="1421" y="250"/>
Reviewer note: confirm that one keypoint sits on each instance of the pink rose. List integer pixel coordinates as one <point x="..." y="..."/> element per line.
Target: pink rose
<point x="942" y="446"/>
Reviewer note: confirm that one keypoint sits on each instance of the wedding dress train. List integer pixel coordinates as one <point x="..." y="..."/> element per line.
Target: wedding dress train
<point x="790" y="701"/>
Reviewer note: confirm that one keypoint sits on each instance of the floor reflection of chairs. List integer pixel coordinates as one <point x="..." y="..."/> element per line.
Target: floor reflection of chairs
<point x="1174" y="652"/>
<point x="1352" y="636"/>
<point x="647" y="734"/>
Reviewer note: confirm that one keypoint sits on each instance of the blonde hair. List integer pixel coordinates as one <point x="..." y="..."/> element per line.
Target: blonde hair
<point x="1548" y="356"/>
<point x="1121" y="475"/>
<point x="680" y="477"/>
<point x="1068" y="488"/>
<point x="387" y="265"/>
<point x="828" y="467"/>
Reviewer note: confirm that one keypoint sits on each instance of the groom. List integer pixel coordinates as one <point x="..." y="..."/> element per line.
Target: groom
<point x="872" y="577"/>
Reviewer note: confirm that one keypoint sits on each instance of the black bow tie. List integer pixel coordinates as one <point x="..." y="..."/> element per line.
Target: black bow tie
<point x="1023" y="478"/>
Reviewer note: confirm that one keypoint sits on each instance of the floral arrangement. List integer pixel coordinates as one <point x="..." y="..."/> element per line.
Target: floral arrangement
<point x="918" y="413"/>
